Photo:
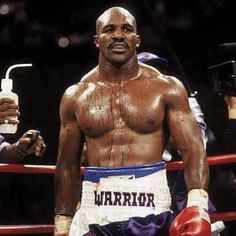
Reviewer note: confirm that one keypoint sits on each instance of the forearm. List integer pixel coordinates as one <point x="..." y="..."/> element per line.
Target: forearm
<point x="67" y="189"/>
<point x="196" y="170"/>
<point x="12" y="154"/>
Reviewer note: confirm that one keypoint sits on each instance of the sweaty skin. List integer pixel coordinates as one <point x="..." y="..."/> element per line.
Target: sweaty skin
<point x="124" y="112"/>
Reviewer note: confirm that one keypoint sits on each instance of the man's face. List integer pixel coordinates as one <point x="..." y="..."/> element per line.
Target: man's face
<point x="116" y="37"/>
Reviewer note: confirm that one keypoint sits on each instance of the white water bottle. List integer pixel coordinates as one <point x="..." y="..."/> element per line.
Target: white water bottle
<point x="6" y="87"/>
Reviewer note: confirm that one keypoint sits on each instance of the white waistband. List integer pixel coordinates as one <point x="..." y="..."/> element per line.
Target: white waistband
<point x="149" y="193"/>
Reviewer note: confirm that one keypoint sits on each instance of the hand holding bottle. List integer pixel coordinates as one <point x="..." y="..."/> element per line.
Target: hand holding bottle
<point x="8" y="109"/>
<point x="6" y="92"/>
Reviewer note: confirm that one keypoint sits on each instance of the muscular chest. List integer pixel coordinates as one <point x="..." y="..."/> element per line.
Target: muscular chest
<point x="110" y="107"/>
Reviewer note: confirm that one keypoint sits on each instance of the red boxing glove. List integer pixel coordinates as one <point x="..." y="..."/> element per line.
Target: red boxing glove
<point x="194" y="219"/>
<point x="191" y="221"/>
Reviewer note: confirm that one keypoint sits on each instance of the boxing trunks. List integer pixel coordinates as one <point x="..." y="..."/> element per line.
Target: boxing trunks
<point x="132" y="200"/>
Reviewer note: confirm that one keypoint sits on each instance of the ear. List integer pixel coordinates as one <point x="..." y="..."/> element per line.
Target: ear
<point x="138" y="41"/>
<point x="95" y="40"/>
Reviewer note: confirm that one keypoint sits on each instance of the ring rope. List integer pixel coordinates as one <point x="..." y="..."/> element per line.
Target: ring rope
<point x="212" y="161"/>
<point x="50" y="169"/>
<point x="224" y="216"/>
<point x="25" y="229"/>
<point x="31" y="169"/>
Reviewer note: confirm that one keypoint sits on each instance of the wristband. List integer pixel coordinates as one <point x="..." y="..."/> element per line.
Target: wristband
<point x="199" y="198"/>
<point x="62" y="225"/>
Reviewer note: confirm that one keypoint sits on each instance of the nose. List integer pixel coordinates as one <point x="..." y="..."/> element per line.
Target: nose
<point x="118" y="34"/>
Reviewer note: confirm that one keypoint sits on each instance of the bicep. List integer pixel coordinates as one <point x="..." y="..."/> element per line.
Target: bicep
<point x="183" y="127"/>
<point x="182" y="124"/>
<point x="187" y="139"/>
<point x="71" y="138"/>
<point x="70" y="142"/>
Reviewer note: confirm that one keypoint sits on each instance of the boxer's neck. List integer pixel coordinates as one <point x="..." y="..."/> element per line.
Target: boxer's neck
<point x="110" y="73"/>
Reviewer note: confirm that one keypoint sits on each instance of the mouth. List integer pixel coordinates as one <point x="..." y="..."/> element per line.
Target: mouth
<point x="118" y="47"/>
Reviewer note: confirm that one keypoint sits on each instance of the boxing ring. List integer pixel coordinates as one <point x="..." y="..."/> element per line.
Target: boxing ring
<point x="50" y="169"/>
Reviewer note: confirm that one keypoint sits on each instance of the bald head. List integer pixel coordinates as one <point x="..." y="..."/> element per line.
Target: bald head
<point x="114" y="11"/>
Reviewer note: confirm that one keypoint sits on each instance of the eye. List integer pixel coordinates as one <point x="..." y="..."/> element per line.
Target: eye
<point x="128" y="29"/>
<point x="108" y="30"/>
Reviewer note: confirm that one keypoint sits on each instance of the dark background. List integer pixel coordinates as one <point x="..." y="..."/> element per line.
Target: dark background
<point x="187" y="33"/>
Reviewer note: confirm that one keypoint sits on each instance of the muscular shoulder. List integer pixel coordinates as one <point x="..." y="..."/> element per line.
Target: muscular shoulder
<point x="170" y="84"/>
<point x="75" y="90"/>
<point x="72" y="91"/>
<point x="72" y="100"/>
<point x="170" y="88"/>
<point x="91" y="76"/>
<point x="174" y="85"/>
<point x="176" y="94"/>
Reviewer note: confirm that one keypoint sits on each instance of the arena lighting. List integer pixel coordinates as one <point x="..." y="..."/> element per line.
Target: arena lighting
<point x="63" y="42"/>
<point x="76" y="39"/>
<point x="4" y="9"/>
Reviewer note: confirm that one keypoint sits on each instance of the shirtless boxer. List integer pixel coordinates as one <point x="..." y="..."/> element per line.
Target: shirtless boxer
<point x="124" y="112"/>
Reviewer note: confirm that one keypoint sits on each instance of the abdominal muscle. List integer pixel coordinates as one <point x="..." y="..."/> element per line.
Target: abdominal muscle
<point x="132" y="148"/>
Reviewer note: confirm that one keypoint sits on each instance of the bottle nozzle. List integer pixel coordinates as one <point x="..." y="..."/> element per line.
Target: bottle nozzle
<point x="15" y="66"/>
<point x="6" y="83"/>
